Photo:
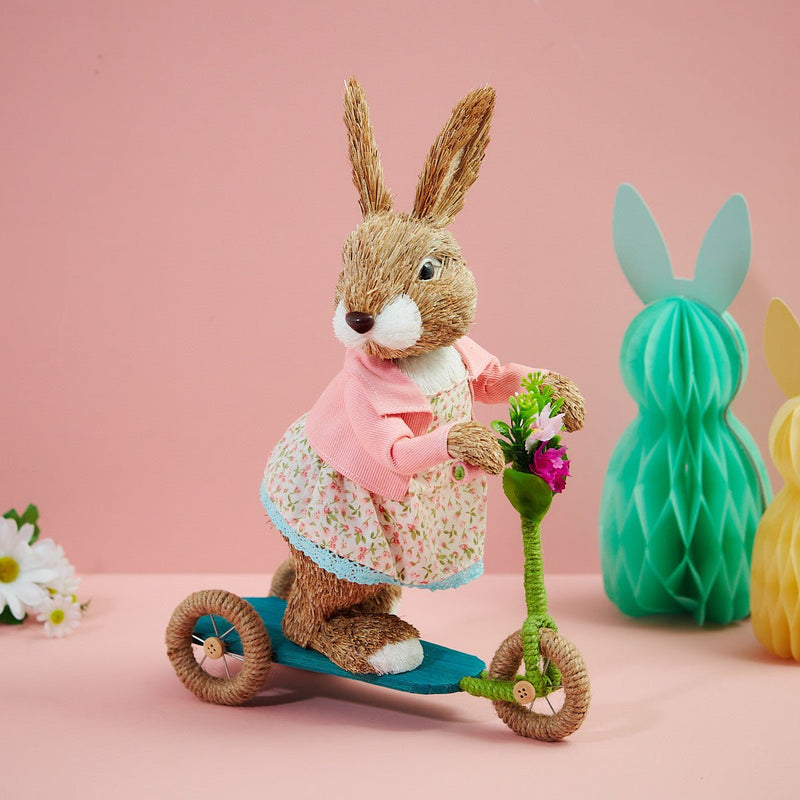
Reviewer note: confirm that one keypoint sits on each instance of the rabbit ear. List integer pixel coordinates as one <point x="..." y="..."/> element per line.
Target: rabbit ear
<point x="454" y="159"/>
<point x="782" y="346"/>
<point x="640" y="247"/>
<point x="373" y="195"/>
<point x="724" y="256"/>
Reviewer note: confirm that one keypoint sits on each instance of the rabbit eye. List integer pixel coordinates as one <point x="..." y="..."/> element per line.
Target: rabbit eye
<point x="428" y="269"/>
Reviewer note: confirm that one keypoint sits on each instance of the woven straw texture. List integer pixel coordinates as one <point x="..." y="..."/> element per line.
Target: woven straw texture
<point x="255" y="647"/>
<point x="575" y="682"/>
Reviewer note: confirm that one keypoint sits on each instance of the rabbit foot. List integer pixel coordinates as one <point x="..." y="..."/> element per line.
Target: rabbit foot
<point x="349" y="623"/>
<point x="376" y="644"/>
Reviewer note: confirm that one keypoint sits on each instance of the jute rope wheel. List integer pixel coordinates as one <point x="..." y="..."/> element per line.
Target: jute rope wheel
<point x="575" y="684"/>
<point x="238" y="688"/>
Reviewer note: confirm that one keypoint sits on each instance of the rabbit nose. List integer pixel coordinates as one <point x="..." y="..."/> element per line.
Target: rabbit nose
<point x="359" y="321"/>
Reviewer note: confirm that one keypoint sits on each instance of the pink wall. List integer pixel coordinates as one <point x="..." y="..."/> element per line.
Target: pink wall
<point x="175" y="191"/>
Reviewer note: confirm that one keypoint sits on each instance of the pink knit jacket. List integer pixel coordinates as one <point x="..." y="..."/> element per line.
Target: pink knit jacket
<point x="371" y="421"/>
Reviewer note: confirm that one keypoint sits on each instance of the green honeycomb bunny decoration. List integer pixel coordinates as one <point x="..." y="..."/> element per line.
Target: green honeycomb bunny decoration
<point x="686" y="485"/>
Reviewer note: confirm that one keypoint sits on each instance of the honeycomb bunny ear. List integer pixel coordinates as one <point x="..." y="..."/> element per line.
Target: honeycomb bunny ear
<point x="782" y="346"/>
<point x="724" y="256"/>
<point x="373" y="196"/>
<point x="640" y="247"/>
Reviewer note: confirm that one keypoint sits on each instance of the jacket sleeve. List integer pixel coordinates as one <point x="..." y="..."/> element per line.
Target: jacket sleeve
<point x="498" y="382"/>
<point x="389" y="440"/>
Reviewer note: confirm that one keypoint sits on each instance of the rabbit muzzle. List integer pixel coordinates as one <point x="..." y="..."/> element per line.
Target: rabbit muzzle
<point x="396" y="327"/>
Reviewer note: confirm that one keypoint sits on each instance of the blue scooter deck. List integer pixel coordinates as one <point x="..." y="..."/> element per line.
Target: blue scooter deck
<point x="440" y="672"/>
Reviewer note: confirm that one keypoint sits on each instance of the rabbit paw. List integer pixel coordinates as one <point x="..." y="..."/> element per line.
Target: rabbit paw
<point x="573" y="408"/>
<point x="477" y="445"/>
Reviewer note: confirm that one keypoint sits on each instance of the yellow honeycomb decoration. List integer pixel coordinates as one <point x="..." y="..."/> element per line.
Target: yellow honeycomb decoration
<point x="775" y="571"/>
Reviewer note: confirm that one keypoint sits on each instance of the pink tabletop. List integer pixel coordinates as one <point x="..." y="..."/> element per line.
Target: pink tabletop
<point x="676" y="711"/>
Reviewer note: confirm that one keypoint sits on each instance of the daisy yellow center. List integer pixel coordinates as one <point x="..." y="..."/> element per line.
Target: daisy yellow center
<point x="9" y="569"/>
<point x="56" y="616"/>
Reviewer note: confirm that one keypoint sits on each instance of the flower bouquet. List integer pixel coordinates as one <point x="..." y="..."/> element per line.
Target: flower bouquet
<point x="531" y="443"/>
<point x="36" y="577"/>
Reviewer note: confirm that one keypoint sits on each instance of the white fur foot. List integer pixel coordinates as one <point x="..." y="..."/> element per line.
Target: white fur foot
<point x="397" y="657"/>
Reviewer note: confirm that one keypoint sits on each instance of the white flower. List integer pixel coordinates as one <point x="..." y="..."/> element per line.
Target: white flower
<point x="22" y="572"/>
<point x="52" y="555"/>
<point x="60" y="614"/>
<point x="545" y="428"/>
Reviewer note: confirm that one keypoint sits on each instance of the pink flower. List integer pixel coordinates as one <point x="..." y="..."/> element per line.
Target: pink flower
<point x="551" y="466"/>
<point x="545" y="428"/>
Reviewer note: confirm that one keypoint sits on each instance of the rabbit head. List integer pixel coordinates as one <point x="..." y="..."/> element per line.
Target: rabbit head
<point x="683" y="353"/>
<point x="782" y="349"/>
<point x="405" y="288"/>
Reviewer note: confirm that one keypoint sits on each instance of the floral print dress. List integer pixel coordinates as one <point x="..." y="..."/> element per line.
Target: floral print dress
<point x="432" y="538"/>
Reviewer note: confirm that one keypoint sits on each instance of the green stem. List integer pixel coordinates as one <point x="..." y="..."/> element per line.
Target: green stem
<point x="538" y="617"/>
<point x="535" y="594"/>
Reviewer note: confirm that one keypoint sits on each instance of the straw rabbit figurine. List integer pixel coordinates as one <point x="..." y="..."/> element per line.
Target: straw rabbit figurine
<point x="685" y="486"/>
<point x="382" y="484"/>
<point x="775" y="586"/>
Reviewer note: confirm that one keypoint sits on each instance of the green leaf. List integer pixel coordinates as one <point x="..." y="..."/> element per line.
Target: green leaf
<point x="522" y="460"/>
<point x="501" y="428"/>
<point x="532" y="381"/>
<point x="508" y="451"/>
<point x="6" y="617"/>
<point x="529" y="494"/>
<point x="29" y="516"/>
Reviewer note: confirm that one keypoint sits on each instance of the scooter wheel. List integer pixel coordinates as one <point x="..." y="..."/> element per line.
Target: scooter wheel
<point x="206" y="666"/>
<point x="553" y="717"/>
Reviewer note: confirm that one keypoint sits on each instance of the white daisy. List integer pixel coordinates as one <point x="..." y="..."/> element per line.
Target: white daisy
<point x="61" y="615"/>
<point x="21" y="571"/>
<point x="52" y="555"/>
